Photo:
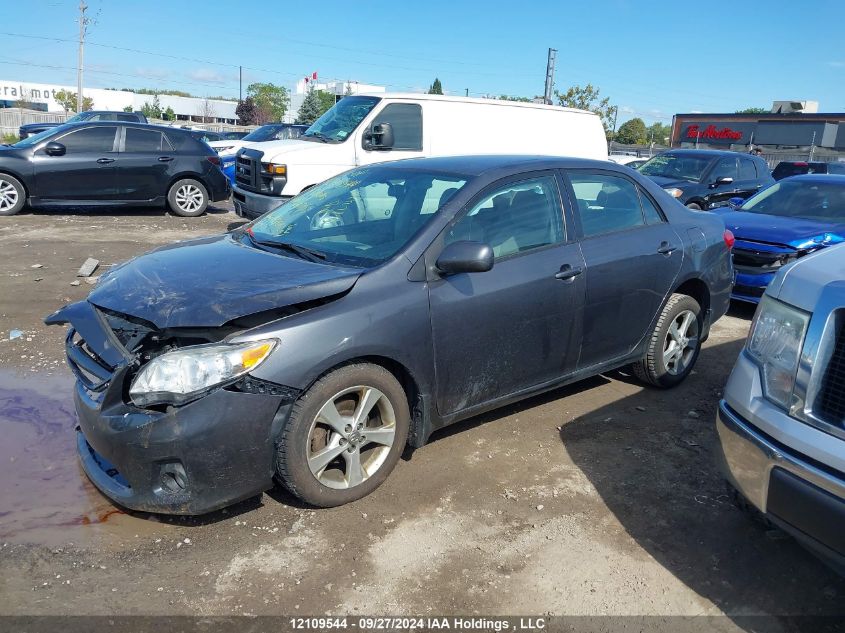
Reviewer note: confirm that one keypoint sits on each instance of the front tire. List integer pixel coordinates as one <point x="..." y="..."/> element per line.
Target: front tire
<point x="344" y="436"/>
<point x="12" y="195"/>
<point x="674" y="345"/>
<point x="188" y="198"/>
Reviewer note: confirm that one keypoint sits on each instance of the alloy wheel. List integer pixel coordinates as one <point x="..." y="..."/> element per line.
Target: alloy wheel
<point x="8" y="195"/>
<point x="681" y="342"/>
<point x="189" y="198"/>
<point x="351" y="437"/>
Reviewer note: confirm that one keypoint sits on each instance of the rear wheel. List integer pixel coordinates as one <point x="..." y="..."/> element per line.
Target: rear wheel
<point x="12" y="195"/>
<point x="344" y="436"/>
<point x="674" y="345"/>
<point x="188" y="198"/>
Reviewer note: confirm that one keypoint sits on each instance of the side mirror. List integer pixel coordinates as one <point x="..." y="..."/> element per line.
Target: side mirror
<point x="735" y="203"/>
<point x="465" y="257"/>
<point x="724" y="180"/>
<point x="379" y="136"/>
<point x="54" y="149"/>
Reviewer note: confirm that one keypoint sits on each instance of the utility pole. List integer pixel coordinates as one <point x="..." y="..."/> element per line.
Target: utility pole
<point x="240" y="83"/>
<point x="466" y="92"/>
<point x="550" y="76"/>
<point x="83" y="26"/>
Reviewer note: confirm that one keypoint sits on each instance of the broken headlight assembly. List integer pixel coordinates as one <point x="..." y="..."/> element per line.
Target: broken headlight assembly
<point x="178" y="376"/>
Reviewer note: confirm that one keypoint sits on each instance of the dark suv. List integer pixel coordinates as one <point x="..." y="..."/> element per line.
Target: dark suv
<point x="705" y="179"/>
<point x="127" y="164"/>
<point x="787" y="168"/>
<point x="30" y="129"/>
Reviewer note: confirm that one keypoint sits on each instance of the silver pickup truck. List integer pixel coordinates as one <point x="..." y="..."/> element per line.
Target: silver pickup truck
<point x="781" y="423"/>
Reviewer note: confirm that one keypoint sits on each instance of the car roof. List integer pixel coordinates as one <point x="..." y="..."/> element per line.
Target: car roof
<point x="826" y="178"/>
<point x="139" y="124"/>
<point x="713" y="153"/>
<point x="475" y="165"/>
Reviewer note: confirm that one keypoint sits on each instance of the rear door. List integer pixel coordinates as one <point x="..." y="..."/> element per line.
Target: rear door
<point x="632" y="258"/>
<point x="146" y="161"/>
<point x="87" y="170"/>
<point x="748" y="181"/>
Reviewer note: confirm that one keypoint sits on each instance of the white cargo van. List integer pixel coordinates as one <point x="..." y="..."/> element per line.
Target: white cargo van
<point x="366" y="129"/>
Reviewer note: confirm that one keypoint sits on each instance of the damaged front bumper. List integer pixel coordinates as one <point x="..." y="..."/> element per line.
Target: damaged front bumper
<point x="189" y="459"/>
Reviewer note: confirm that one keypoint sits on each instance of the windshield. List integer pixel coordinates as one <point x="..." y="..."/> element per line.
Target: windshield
<point x="809" y="200"/>
<point x="360" y="218"/>
<point x="340" y="120"/>
<point x="676" y="166"/>
<point x="29" y="141"/>
<point x="268" y="133"/>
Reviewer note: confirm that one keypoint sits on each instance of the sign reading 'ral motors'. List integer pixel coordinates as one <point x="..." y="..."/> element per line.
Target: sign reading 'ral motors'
<point x="714" y="133"/>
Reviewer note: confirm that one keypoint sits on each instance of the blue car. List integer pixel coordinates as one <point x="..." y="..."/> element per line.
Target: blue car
<point x="792" y="218"/>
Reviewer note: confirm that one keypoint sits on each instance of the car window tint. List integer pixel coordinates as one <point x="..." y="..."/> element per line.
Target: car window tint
<point x="127" y="117"/>
<point x="514" y="218"/>
<point x="606" y="203"/>
<point x="406" y="121"/>
<point x="652" y="215"/>
<point x="375" y="201"/>
<point x="138" y="140"/>
<point x="92" y="139"/>
<point x="437" y="195"/>
<point x="836" y="168"/>
<point x="725" y="168"/>
<point x="746" y="169"/>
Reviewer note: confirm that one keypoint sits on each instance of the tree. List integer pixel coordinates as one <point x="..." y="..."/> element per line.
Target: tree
<point x="271" y="101"/>
<point x="316" y="102"/>
<point x="754" y="111"/>
<point x="509" y="98"/>
<point x="247" y="112"/>
<point x="632" y="132"/>
<point x="67" y="100"/>
<point x="658" y="133"/>
<point x="152" y="110"/>
<point x="168" y="114"/>
<point x="128" y="109"/>
<point x="206" y="111"/>
<point x="436" y="88"/>
<point x="587" y="98"/>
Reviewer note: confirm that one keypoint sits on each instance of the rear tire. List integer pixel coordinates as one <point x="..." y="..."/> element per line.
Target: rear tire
<point x="187" y="198"/>
<point x="694" y="206"/>
<point x="344" y="436"/>
<point x="12" y="195"/>
<point x="674" y="345"/>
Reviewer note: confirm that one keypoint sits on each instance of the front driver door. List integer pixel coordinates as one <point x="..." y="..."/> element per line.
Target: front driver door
<point x="718" y="194"/>
<point x="517" y="325"/>
<point x="632" y="259"/>
<point x="87" y="170"/>
<point x="406" y="119"/>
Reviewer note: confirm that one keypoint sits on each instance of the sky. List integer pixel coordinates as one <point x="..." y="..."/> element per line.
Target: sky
<point x="651" y="58"/>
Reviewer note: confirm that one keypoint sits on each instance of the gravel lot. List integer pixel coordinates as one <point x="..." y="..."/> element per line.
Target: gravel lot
<point x="599" y="498"/>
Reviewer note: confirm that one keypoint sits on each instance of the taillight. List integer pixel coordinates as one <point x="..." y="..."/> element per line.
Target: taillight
<point x="729" y="239"/>
<point x="214" y="160"/>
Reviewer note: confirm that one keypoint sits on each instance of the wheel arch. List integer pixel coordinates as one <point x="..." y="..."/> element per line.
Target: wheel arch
<point x="697" y="289"/>
<point x="189" y="175"/>
<point x="18" y="177"/>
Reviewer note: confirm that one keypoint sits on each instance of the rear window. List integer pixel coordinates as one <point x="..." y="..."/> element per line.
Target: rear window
<point x="138" y="140"/>
<point x="182" y="141"/>
<point x="785" y="169"/>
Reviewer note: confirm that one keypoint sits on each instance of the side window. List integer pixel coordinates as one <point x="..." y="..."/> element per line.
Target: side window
<point x="652" y="215"/>
<point x="406" y="120"/>
<point x="514" y="218"/>
<point x="606" y="203"/>
<point x="836" y="168"/>
<point x="123" y="116"/>
<point x="138" y="140"/>
<point x="746" y="169"/>
<point x="725" y="168"/>
<point x="92" y="139"/>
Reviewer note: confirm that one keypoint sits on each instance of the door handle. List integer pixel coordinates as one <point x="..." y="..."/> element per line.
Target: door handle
<point x="165" y="159"/>
<point x="105" y="161"/>
<point x="666" y="248"/>
<point x="568" y="272"/>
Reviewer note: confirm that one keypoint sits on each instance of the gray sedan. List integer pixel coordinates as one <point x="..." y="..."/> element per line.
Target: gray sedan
<point x="313" y="345"/>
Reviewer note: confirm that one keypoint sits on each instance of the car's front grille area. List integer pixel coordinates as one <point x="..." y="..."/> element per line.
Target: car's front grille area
<point x="245" y="170"/>
<point x="760" y="261"/>
<point x="830" y="401"/>
<point x="92" y="371"/>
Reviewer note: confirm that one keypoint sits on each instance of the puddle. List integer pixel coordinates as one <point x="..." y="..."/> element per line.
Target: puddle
<point x="45" y="497"/>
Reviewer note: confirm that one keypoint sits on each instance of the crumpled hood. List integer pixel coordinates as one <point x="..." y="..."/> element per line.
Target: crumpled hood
<point x="774" y="229"/>
<point x="305" y="152"/>
<point x="210" y="281"/>
<point x="665" y="182"/>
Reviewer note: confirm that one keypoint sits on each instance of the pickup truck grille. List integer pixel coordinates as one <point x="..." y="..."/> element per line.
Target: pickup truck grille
<point x="246" y="170"/>
<point x="830" y="401"/>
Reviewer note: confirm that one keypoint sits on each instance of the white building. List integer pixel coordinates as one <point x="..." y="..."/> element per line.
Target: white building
<point x="42" y="96"/>
<point x="337" y="88"/>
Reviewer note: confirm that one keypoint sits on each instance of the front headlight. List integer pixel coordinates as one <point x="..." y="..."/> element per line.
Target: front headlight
<point x="674" y="192"/>
<point x="775" y="341"/>
<point x="182" y="375"/>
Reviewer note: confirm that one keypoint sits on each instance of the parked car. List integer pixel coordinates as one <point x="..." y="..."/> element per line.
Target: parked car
<point x="365" y="129"/>
<point x="206" y="136"/>
<point x="114" y="163"/>
<point x="780" y="422"/>
<point x="790" y="219"/>
<point x="633" y="162"/>
<point x="315" y="343"/>
<point x="787" y="168"/>
<point x="30" y="129"/>
<point x="270" y="132"/>
<point x="705" y="179"/>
